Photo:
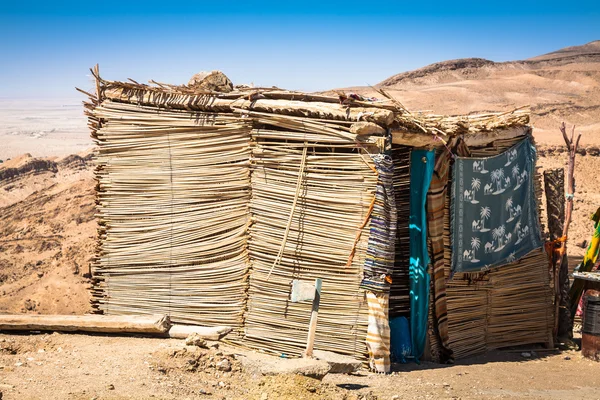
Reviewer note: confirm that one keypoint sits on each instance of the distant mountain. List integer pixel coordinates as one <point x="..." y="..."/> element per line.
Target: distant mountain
<point x="590" y="49"/>
<point x="561" y="85"/>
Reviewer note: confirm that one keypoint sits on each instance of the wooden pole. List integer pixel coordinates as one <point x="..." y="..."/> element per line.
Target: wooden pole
<point x="86" y="323"/>
<point x="554" y="185"/>
<point x="312" y="328"/>
<point x="562" y="250"/>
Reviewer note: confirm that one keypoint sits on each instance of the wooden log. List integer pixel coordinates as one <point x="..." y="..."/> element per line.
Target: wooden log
<point x="318" y="110"/>
<point x="86" y="323"/>
<point x="209" y="103"/>
<point x="476" y="139"/>
<point x="177" y="101"/>
<point x="205" y="332"/>
<point x="364" y="128"/>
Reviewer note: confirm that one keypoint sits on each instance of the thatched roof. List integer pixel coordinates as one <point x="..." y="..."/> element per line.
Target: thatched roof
<point x="352" y="113"/>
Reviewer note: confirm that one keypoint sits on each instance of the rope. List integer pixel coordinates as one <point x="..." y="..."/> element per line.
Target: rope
<point x="554" y="245"/>
<point x="364" y="223"/>
<point x="445" y="143"/>
<point x="359" y="232"/>
<point x="289" y="222"/>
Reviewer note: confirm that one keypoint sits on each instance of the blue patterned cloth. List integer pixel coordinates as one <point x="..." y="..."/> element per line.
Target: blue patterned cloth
<point x="379" y="261"/>
<point x="494" y="209"/>
<point x="422" y="163"/>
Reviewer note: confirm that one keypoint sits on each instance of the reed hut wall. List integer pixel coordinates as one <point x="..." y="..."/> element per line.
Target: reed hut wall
<point x="506" y="306"/>
<point x="209" y="205"/>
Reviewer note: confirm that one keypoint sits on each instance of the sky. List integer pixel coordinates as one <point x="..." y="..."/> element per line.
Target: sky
<point x="47" y="48"/>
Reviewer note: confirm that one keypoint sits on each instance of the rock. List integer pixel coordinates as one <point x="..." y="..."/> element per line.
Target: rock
<point x="214" y="81"/>
<point x="395" y="397"/>
<point x="582" y="243"/>
<point x="526" y="354"/>
<point x="264" y="396"/>
<point x="224" y="365"/>
<point x="29" y="305"/>
<point x="111" y="387"/>
<point x="278" y="366"/>
<point x="204" y="392"/>
<point x="593" y="151"/>
<point x="567" y="358"/>
<point x="339" y="363"/>
<point x="196" y="340"/>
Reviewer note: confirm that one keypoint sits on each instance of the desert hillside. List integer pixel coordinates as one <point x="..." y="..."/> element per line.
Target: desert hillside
<point x="48" y="234"/>
<point x="562" y="85"/>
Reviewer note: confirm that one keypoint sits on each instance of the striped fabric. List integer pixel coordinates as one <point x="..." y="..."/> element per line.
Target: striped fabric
<point x="378" y="332"/>
<point x="436" y="207"/>
<point x="435" y="224"/>
<point x="379" y="262"/>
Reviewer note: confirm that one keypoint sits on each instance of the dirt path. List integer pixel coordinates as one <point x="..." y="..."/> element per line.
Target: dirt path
<point x="61" y="366"/>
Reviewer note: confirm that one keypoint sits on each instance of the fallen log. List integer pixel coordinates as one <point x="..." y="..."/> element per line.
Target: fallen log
<point x="205" y="332"/>
<point x="86" y="323"/>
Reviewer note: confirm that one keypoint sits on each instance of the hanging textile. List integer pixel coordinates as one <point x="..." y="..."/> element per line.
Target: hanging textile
<point x="495" y="218"/>
<point x="378" y="332"/>
<point x="421" y="170"/>
<point x="436" y="199"/>
<point x="379" y="261"/>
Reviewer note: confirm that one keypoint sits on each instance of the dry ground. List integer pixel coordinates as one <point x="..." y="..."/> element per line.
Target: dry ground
<point x="73" y="366"/>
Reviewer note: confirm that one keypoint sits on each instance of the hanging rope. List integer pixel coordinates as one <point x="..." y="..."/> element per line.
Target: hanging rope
<point x="289" y="222"/>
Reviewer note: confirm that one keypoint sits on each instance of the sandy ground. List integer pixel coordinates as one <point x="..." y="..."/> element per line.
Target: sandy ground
<point x="73" y="366"/>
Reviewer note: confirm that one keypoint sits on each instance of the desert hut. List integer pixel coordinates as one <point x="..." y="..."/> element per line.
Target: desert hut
<point x="213" y="198"/>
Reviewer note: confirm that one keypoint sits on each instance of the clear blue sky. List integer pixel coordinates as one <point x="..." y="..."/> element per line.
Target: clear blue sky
<point x="46" y="48"/>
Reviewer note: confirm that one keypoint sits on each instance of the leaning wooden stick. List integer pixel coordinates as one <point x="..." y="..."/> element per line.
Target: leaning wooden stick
<point x="572" y="148"/>
<point x="312" y="328"/>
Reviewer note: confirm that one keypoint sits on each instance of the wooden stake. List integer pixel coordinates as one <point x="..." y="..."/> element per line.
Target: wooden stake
<point x="572" y="148"/>
<point x="312" y="327"/>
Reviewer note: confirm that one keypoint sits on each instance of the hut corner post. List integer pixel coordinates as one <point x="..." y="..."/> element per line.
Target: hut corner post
<point x="562" y="249"/>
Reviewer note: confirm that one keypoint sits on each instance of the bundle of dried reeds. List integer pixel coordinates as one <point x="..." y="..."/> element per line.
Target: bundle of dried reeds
<point x="507" y="306"/>
<point x="308" y="201"/>
<point x="173" y="192"/>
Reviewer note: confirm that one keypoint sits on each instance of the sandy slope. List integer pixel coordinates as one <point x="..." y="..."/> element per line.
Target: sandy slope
<point x="48" y="235"/>
<point x="563" y="85"/>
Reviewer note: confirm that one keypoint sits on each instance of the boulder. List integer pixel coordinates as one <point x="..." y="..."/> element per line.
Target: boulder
<point x="339" y="363"/>
<point x="215" y="81"/>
